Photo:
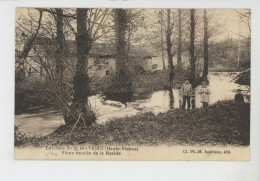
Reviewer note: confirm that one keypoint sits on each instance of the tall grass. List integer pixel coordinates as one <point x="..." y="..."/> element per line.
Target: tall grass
<point x="223" y="123"/>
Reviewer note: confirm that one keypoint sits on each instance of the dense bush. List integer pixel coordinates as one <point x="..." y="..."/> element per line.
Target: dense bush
<point x="19" y="137"/>
<point x="243" y="78"/>
<point x="32" y="93"/>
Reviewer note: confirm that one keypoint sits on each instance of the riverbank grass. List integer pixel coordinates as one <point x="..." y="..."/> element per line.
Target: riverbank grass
<point x="143" y="83"/>
<point x="223" y="123"/>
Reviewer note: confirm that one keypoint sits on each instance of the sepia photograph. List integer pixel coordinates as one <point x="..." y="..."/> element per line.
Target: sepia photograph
<point x="132" y="84"/>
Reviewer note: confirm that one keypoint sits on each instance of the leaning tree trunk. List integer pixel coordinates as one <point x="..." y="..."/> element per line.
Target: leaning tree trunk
<point x="26" y="49"/>
<point x="80" y="110"/>
<point x="206" y="47"/>
<point x="192" y="47"/>
<point x="122" y="84"/>
<point x="179" y="61"/>
<point x="169" y="47"/>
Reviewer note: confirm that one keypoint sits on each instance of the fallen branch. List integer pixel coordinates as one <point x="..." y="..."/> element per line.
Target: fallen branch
<point x="77" y="121"/>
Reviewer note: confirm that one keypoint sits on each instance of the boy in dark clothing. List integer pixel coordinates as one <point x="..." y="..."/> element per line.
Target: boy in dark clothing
<point x="186" y="91"/>
<point x="239" y="97"/>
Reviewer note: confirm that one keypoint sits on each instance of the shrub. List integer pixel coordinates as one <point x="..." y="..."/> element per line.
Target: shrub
<point x="19" y="137"/>
<point x="32" y="93"/>
<point x="224" y="122"/>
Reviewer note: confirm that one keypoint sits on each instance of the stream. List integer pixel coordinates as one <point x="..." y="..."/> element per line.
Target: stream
<point x="43" y="121"/>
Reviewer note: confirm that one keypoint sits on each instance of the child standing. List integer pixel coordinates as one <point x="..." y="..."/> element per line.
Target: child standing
<point x="186" y="92"/>
<point x="204" y="94"/>
<point x="239" y="97"/>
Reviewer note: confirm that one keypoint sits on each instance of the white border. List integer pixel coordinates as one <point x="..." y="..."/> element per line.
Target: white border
<point x="107" y="170"/>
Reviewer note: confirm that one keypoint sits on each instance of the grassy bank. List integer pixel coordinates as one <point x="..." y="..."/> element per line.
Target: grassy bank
<point x="223" y="123"/>
<point x="148" y="83"/>
<point x="143" y="83"/>
<point x="226" y="69"/>
<point x="39" y="93"/>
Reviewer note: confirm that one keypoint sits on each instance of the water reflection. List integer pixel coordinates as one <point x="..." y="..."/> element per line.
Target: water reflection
<point x="159" y="101"/>
<point x="220" y="87"/>
<point x="193" y="100"/>
<point x="171" y="98"/>
<point x="121" y="97"/>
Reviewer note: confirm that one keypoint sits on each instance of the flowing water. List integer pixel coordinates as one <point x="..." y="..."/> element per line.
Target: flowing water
<point x="220" y="88"/>
<point x="39" y="122"/>
<point x="44" y="121"/>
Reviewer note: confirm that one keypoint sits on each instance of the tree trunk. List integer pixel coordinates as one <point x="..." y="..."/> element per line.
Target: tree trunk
<point x="61" y="94"/>
<point x="123" y="84"/>
<point x="179" y="61"/>
<point x="129" y="39"/>
<point x="60" y="43"/>
<point x="169" y="47"/>
<point x="206" y="47"/>
<point x="164" y="67"/>
<point x="80" y="109"/>
<point x="192" y="48"/>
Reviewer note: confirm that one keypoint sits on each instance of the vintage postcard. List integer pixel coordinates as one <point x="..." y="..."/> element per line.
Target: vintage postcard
<point x="132" y="84"/>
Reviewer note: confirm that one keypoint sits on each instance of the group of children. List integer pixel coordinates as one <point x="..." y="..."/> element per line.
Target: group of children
<point x="204" y="92"/>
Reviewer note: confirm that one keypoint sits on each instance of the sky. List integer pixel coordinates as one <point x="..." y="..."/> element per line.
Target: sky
<point x="227" y="21"/>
